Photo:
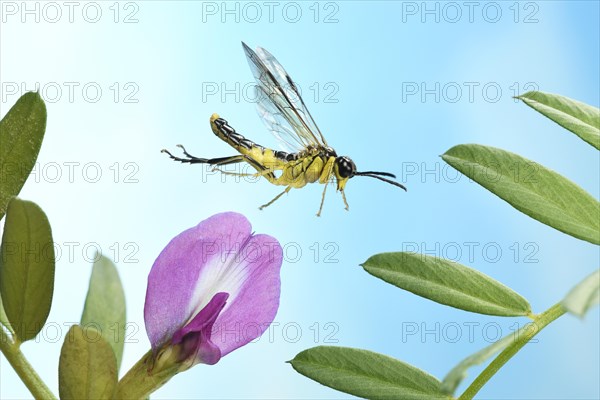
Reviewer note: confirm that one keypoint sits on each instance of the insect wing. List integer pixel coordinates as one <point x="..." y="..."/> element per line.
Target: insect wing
<point x="279" y="126"/>
<point x="280" y="105"/>
<point x="296" y="103"/>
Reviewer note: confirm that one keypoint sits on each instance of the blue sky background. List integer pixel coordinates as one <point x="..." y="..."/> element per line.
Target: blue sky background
<point x="162" y="68"/>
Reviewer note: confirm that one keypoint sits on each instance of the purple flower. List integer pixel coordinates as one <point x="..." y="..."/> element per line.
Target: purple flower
<point x="214" y="288"/>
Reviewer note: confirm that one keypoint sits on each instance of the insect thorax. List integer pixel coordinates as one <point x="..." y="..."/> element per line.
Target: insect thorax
<point x="316" y="151"/>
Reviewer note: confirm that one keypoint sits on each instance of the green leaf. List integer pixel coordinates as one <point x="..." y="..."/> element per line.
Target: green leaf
<point x="583" y="296"/>
<point x="87" y="368"/>
<point x="447" y="283"/>
<point x="4" y="319"/>
<point x="105" y="305"/>
<point x="21" y="134"/>
<point x="580" y="118"/>
<point x="459" y="373"/>
<point x="531" y="188"/>
<point x="26" y="268"/>
<point x="366" y="374"/>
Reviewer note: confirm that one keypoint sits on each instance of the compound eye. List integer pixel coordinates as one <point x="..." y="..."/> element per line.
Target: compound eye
<point x="346" y="167"/>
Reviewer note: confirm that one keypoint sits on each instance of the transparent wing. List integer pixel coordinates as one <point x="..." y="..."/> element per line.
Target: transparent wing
<point x="277" y="123"/>
<point x="280" y="105"/>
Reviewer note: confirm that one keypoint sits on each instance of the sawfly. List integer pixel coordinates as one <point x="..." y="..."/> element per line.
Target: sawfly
<point x="309" y="159"/>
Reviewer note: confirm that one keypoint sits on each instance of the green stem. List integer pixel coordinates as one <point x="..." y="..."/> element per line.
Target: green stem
<point x="16" y="358"/>
<point x="539" y="323"/>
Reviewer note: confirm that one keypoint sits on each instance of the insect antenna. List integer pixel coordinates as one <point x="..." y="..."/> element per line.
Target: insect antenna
<point x="380" y="176"/>
<point x="377" y="173"/>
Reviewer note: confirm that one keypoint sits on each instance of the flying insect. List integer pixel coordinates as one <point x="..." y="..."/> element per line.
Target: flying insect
<point x="280" y="106"/>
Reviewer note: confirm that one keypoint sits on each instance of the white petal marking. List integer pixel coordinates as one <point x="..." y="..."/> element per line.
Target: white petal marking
<point x="225" y="272"/>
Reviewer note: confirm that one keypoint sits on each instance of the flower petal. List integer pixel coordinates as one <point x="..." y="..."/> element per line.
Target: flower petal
<point x="172" y="282"/>
<point x="196" y="335"/>
<point x="250" y="312"/>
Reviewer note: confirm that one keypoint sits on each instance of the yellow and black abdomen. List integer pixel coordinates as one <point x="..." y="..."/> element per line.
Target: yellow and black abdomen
<point x="297" y="169"/>
<point x="272" y="159"/>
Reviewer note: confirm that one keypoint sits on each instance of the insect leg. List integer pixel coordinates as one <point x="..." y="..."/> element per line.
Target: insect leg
<point x="185" y="152"/>
<point x="322" y="201"/>
<point x="254" y="175"/>
<point x="191" y="159"/>
<point x="287" y="189"/>
<point x="228" y="160"/>
<point x="344" y="198"/>
<point x="213" y="161"/>
<point x="262" y="170"/>
<point x="197" y="160"/>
